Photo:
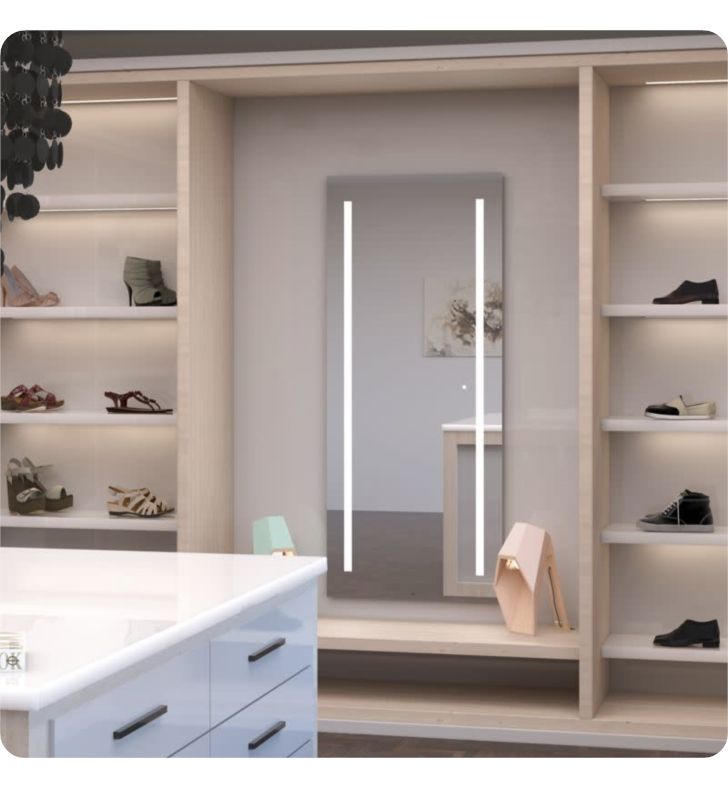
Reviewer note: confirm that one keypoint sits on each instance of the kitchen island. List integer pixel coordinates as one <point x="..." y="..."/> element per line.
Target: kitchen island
<point x="159" y="654"/>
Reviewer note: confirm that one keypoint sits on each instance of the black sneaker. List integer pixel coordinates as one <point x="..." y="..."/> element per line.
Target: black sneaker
<point x="690" y="512"/>
<point x="690" y="632"/>
<point x="706" y="292"/>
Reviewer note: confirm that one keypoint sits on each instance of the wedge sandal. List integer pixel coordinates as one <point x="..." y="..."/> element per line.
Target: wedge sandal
<point x="24" y="498"/>
<point x="121" y="404"/>
<point x="136" y="503"/>
<point x="57" y="497"/>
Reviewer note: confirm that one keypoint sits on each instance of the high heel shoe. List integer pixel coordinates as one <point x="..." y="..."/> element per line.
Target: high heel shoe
<point x="56" y="497"/>
<point x="18" y="291"/>
<point x="145" y="285"/>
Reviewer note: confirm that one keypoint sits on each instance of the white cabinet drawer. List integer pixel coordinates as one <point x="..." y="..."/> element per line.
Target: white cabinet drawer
<point x="304" y="752"/>
<point x="259" y="654"/>
<point x="199" y="749"/>
<point x="154" y="714"/>
<point x="275" y="726"/>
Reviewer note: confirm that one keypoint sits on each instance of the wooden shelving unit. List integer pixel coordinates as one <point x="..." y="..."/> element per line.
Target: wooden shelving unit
<point x="608" y="229"/>
<point x="169" y="198"/>
<point x="445" y="638"/>
<point x="629" y="534"/>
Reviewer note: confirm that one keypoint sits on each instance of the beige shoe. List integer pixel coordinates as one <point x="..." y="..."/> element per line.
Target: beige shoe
<point x="677" y="408"/>
<point x="137" y="503"/>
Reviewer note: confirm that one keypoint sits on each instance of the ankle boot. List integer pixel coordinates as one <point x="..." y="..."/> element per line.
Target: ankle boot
<point x="169" y="297"/>
<point x="142" y="291"/>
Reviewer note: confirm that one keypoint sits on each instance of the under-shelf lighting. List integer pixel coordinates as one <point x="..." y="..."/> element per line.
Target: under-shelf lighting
<point x="106" y="210"/>
<point x="686" y="81"/>
<point x="119" y="101"/>
<point x="683" y="199"/>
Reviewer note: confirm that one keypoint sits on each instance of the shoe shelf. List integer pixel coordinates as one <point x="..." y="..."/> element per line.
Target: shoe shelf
<point x="100" y="418"/>
<point x="445" y="638"/>
<point x="89" y="519"/>
<point x="640" y="647"/>
<point x="619" y="424"/>
<point x="88" y="313"/>
<point x="708" y="190"/>
<point x="517" y="714"/>
<point x="629" y="534"/>
<point x="141" y="201"/>
<point x="665" y="310"/>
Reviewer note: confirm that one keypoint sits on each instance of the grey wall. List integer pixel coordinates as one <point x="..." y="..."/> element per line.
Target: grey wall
<point x="285" y="150"/>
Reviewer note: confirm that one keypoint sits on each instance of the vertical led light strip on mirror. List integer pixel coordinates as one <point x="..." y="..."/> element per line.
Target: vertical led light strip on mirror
<point x="479" y="387"/>
<point x="348" y="259"/>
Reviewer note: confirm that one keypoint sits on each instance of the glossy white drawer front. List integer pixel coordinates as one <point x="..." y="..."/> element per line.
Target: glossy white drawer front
<point x="153" y="714"/>
<point x="275" y="726"/>
<point x="199" y="749"/>
<point x="304" y="752"/>
<point x="261" y="653"/>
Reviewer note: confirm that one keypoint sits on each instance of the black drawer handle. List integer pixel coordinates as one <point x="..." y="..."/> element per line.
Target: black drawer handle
<point x="266" y="735"/>
<point x="266" y="650"/>
<point x="150" y="716"/>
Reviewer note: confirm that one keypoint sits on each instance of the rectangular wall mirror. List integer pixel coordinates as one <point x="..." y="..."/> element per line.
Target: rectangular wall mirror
<point x="402" y="249"/>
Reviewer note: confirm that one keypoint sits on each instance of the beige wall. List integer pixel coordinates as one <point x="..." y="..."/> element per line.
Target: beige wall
<point x="284" y="150"/>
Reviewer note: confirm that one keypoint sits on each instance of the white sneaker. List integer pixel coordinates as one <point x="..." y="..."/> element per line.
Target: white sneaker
<point x="678" y="409"/>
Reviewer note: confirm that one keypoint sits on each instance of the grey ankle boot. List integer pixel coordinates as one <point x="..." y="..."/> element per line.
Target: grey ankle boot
<point x="142" y="291"/>
<point x="169" y="297"/>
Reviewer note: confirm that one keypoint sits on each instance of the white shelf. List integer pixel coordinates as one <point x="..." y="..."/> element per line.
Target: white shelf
<point x="640" y="647"/>
<point x="108" y="202"/>
<point x="88" y="313"/>
<point x="87" y="519"/>
<point x="618" y="424"/>
<point x="665" y="310"/>
<point x="629" y="534"/>
<point x="709" y="190"/>
<point x="63" y="417"/>
<point x="445" y="638"/>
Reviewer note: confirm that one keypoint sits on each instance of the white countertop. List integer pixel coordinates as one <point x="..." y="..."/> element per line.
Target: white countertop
<point x="89" y="614"/>
<point x="493" y="424"/>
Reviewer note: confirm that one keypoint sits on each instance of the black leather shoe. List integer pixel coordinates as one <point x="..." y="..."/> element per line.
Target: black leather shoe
<point x="706" y="292"/>
<point x="691" y="632"/>
<point x="690" y="512"/>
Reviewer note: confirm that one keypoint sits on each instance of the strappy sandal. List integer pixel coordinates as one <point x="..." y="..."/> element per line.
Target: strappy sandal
<point x="34" y="399"/>
<point x="23" y="497"/>
<point x="56" y="497"/>
<point x="136" y="503"/>
<point x="121" y="404"/>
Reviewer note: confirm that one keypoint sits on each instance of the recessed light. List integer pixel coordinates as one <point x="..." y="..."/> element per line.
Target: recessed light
<point x="685" y="81"/>
<point x="118" y="101"/>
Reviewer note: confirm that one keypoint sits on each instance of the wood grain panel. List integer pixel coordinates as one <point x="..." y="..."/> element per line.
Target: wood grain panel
<point x="205" y="321"/>
<point x="593" y="387"/>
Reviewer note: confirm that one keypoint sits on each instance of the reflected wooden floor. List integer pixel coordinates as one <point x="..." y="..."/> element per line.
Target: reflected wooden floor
<point x="358" y="746"/>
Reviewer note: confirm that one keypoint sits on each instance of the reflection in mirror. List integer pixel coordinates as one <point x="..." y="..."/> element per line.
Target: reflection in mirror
<point x="409" y="269"/>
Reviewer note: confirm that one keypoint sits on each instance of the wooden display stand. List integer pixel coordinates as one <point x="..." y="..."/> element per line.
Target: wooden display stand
<point x="527" y="559"/>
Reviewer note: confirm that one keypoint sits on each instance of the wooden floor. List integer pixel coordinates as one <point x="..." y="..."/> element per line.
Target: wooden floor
<point x="358" y="746"/>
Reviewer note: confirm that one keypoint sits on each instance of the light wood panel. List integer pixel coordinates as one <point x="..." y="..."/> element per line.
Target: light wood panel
<point x="431" y="74"/>
<point x="205" y="323"/>
<point x="593" y="386"/>
<point x="445" y="638"/>
<point x="14" y="731"/>
<point x="520" y="715"/>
